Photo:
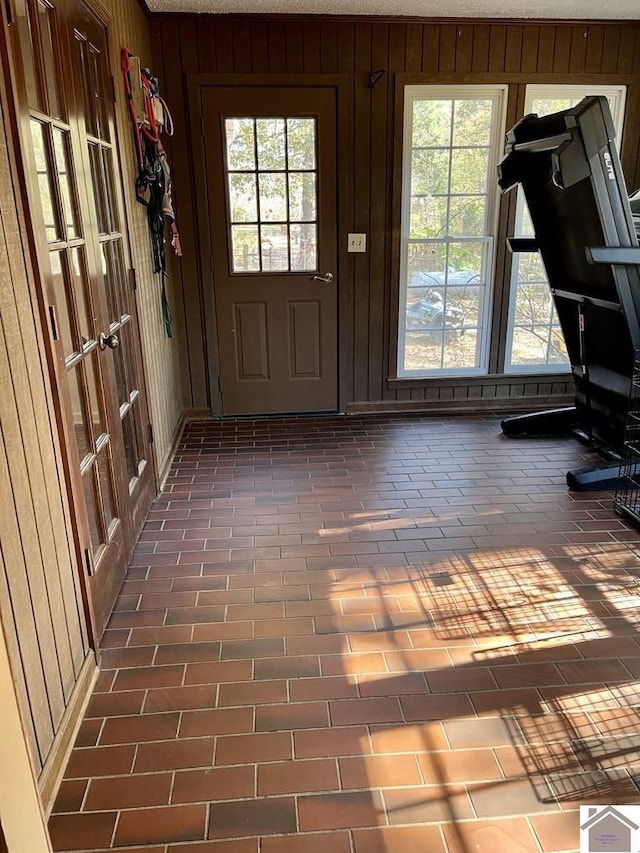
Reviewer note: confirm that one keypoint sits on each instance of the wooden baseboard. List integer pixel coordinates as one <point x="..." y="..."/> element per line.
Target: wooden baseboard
<point x="56" y="762"/>
<point x="468" y="406"/>
<point x="164" y="473"/>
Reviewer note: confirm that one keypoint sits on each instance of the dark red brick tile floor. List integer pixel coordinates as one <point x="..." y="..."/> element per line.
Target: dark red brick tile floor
<point x="382" y="635"/>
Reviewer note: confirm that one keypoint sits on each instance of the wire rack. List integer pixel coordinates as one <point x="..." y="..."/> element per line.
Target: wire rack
<point x="627" y="494"/>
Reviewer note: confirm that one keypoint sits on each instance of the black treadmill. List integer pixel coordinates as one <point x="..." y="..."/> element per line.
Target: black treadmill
<point x="571" y="176"/>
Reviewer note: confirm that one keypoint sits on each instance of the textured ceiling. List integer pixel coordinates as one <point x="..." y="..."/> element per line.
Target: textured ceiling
<point x="575" y="9"/>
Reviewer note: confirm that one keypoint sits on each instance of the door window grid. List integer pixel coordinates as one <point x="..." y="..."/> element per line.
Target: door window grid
<point x="535" y="342"/>
<point x="451" y="139"/>
<point x="271" y="194"/>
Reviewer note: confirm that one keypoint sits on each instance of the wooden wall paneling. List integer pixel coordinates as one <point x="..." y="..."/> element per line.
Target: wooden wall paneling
<point x="19" y="559"/>
<point x="497" y="47"/>
<point x="464" y="48"/>
<point x="184" y="270"/>
<point x="362" y="186"/>
<point x="223" y="46"/>
<point x="207" y="46"/>
<point x="161" y="357"/>
<point x="511" y="51"/>
<point x="578" y="52"/>
<point x="28" y="578"/>
<point x="562" y="49"/>
<point x="378" y="234"/>
<point x="347" y="310"/>
<point x="611" y="43"/>
<point x="294" y="46"/>
<point x="546" y="47"/>
<point x="241" y="47"/>
<point x="530" y="43"/>
<point x="513" y="48"/>
<point x="594" y="56"/>
<point x="329" y="47"/>
<point x="413" y="48"/>
<point x="277" y="48"/>
<point x="430" y="48"/>
<point x="311" y="56"/>
<point x="480" y="50"/>
<point x="259" y="33"/>
<point x="447" y="54"/>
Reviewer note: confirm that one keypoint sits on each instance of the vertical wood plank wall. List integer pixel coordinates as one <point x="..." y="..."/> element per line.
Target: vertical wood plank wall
<point x="162" y="361"/>
<point x="465" y="50"/>
<point x="40" y="599"/>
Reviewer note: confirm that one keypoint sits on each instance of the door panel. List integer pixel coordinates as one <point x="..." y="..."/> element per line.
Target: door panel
<point x="271" y="184"/>
<point x="83" y="254"/>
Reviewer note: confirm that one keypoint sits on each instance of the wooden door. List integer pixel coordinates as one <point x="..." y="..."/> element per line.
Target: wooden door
<point x="83" y="258"/>
<point x="271" y="183"/>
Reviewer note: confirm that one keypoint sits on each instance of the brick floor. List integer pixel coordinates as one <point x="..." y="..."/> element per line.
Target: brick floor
<point x="367" y="635"/>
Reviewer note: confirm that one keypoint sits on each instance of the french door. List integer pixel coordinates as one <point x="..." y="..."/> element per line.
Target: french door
<point x="76" y="203"/>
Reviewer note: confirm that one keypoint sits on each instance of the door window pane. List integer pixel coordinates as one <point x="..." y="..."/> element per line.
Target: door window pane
<point x="303" y="247"/>
<point x="271" y="143"/>
<point x="79" y="284"/>
<point x="241" y="144"/>
<point x="64" y="183"/>
<point x="244" y="242"/>
<point x="94" y="398"/>
<point x="43" y="174"/>
<point x="301" y="143"/>
<point x="106" y="485"/>
<point x="535" y="342"/>
<point x="452" y="141"/>
<point x="269" y="193"/>
<point x="49" y="41"/>
<point x="26" y="36"/>
<point x="99" y="189"/>
<point x="78" y="411"/>
<point x="64" y="307"/>
<point x="92" y="502"/>
<point x="131" y="441"/>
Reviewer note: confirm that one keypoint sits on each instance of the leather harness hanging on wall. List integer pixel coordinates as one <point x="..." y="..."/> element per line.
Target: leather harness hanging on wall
<point x="149" y="117"/>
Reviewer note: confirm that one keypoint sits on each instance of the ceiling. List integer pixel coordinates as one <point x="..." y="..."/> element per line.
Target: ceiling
<point x="562" y="9"/>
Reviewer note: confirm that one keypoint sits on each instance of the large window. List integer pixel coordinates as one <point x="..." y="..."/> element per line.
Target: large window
<point x="452" y="139"/>
<point x="534" y="338"/>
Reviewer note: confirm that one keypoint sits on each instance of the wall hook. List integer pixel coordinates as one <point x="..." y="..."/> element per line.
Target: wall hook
<point x="375" y="76"/>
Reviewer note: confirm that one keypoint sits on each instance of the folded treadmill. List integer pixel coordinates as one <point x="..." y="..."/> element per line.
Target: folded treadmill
<point x="569" y="170"/>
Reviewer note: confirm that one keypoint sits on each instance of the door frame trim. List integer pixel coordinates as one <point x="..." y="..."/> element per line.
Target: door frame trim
<point x="344" y="191"/>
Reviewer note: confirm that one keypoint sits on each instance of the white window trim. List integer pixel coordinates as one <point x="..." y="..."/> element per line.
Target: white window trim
<point x="617" y="96"/>
<point x="498" y="93"/>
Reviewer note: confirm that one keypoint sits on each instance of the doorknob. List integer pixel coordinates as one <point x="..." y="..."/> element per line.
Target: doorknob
<point x="327" y="278"/>
<point x="111" y="341"/>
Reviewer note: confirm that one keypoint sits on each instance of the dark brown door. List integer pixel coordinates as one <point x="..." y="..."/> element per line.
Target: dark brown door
<point x="271" y="181"/>
<point x="79" y="224"/>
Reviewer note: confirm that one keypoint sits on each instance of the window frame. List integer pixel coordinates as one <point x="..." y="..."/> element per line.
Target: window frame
<point x="498" y="92"/>
<point x="532" y="92"/>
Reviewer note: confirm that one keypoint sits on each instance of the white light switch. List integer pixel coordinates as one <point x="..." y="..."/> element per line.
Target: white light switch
<point x="357" y="243"/>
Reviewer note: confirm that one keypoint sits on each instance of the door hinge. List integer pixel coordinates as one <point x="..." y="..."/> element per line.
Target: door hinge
<point x="11" y="16"/>
<point x="151" y="433"/>
<point x="88" y="561"/>
<point x="114" y="90"/>
<point x="220" y="384"/>
<point x="133" y="279"/>
<point x="54" y="322"/>
<point x="202" y="133"/>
